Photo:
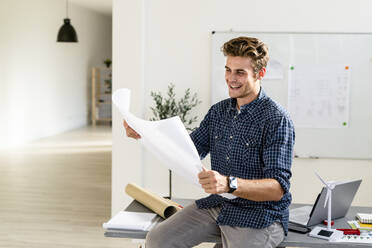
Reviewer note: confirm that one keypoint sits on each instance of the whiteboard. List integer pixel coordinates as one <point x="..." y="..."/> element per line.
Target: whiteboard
<point x="288" y="49"/>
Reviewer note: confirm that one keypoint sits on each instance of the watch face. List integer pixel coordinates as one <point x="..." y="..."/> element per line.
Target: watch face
<point x="233" y="183"/>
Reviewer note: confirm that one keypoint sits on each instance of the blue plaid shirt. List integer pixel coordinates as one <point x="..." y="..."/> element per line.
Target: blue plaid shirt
<point x="256" y="143"/>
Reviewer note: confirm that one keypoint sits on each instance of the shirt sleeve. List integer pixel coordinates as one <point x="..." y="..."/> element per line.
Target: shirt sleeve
<point x="200" y="136"/>
<point x="278" y="152"/>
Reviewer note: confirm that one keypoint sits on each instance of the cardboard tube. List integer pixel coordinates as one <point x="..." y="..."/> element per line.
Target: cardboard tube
<point x="159" y="205"/>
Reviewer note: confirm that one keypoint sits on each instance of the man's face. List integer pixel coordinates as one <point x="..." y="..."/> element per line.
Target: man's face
<point x="240" y="77"/>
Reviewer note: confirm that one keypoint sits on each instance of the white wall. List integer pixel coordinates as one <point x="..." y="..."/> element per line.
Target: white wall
<point x="175" y="47"/>
<point x="128" y="72"/>
<point x="44" y="85"/>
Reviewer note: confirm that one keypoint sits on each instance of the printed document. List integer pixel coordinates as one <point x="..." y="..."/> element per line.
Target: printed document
<point x="167" y="139"/>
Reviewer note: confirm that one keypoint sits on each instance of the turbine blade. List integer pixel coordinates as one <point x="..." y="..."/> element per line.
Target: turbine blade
<point x="321" y="179"/>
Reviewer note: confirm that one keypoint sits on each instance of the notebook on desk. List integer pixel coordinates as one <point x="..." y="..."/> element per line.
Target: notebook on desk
<point x="135" y="221"/>
<point x="342" y="197"/>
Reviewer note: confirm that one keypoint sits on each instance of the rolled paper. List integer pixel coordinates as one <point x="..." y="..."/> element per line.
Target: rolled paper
<point x="163" y="207"/>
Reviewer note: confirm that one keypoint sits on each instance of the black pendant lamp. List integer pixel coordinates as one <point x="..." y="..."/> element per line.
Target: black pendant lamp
<point x="67" y="32"/>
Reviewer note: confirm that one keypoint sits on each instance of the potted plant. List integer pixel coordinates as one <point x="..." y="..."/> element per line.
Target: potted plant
<point x="107" y="62"/>
<point x="166" y="107"/>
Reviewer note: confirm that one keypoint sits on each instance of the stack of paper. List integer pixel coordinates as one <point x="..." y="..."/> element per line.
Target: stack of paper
<point x="131" y="221"/>
<point x="365" y="218"/>
<point x="357" y="225"/>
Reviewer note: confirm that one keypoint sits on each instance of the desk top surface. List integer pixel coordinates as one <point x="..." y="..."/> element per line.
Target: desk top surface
<point x="292" y="239"/>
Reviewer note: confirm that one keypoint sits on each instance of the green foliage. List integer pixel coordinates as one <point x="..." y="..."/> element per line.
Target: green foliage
<point x="166" y="107"/>
<point x="107" y="62"/>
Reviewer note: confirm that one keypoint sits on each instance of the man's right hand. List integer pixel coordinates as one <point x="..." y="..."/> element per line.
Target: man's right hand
<point x="130" y="132"/>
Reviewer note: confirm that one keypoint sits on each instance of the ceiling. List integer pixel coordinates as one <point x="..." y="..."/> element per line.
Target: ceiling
<point x="101" y="6"/>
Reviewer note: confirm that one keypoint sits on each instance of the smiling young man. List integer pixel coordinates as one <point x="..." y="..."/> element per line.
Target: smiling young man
<point x="250" y="139"/>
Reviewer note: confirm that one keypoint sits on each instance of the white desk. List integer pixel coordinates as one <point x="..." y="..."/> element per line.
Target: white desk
<point x="292" y="239"/>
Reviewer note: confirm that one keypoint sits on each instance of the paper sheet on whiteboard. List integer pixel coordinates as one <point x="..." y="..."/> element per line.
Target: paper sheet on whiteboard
<point x="318" y="95"/>
<point x="274" y="70"/>
<point x="167" y="139"/>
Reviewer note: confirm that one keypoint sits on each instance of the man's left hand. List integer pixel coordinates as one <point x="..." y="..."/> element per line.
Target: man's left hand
<point x="213" y="182"/>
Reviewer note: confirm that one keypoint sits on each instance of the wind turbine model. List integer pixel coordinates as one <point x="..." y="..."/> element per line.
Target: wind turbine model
<point x="322" y="232"/>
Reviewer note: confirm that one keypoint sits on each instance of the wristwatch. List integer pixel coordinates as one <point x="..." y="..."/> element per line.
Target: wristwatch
<point x="233" y="184"/>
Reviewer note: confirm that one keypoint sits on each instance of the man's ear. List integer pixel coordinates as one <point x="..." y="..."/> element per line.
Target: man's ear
<point x="262" y="73"/>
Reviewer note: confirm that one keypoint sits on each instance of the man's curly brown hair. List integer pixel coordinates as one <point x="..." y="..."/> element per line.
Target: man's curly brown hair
<point x="250" y="47"/>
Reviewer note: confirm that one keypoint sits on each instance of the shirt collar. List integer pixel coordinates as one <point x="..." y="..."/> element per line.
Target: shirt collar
<point x="249" y="107"/>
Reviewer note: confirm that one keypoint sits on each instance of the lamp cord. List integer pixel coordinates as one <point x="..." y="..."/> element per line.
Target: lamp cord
<point x="67" y="8"/>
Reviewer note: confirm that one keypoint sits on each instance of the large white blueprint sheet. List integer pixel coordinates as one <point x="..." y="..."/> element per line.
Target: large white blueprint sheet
<point x="167" y="139"/>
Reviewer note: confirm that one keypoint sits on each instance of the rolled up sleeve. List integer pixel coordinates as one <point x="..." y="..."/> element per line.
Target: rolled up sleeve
<point x="278" y="152"/>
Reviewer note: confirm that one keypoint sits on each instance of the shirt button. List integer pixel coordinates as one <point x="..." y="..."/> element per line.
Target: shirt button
<point x="231" y="137"/>
<point x="216" y="137"/>
<point x="235" y="117"/>
<point x="227" y="158"/>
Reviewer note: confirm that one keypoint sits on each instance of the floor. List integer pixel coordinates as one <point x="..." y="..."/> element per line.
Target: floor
<point x="56" y="192"/>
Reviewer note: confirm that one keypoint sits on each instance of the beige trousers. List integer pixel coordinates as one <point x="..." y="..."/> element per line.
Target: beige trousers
<point x="192" y="226"/>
